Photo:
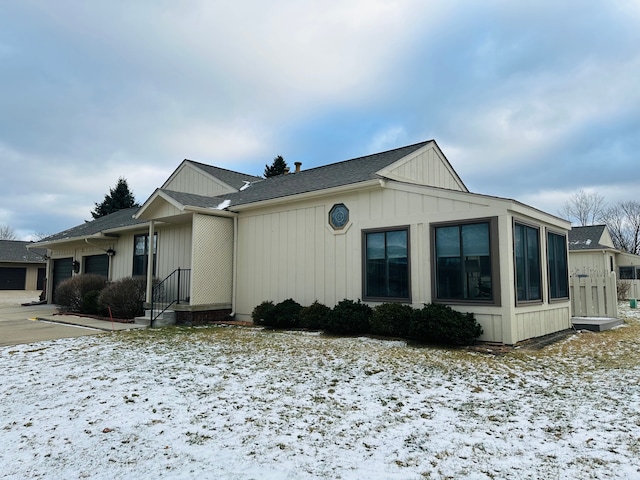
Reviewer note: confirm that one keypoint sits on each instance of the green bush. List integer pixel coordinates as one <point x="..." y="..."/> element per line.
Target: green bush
<point x="314" y="317"/>
<point x="260" y="312"/>
<point x="125" y="297"/>
<point x="349" y="317"/>
<point x="391" y="319"/>
<point x="436" y="323"/>
<point x="285" y="314"/>
<point x="76" y="294"/>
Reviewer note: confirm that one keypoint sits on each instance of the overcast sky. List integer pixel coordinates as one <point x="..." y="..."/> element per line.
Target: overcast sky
<point x="528" y="100"/>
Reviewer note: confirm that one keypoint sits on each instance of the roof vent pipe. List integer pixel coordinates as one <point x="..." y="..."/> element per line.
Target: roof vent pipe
<point x="298" y="165"/>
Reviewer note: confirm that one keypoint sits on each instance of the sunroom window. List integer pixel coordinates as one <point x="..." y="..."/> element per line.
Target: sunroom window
<point x="527" y="263"/>
<point x="558" y="268"/>
<point x="463" y="262"/>
<point x="386" y="264"/>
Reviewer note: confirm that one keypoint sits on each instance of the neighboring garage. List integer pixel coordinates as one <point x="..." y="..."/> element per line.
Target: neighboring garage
<point x="20" y="268"/>
<point x="13" y="278"/>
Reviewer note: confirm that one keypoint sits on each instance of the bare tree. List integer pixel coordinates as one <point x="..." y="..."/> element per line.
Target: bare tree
<point x="623" y="222"/>
<point x="7" y="232"/>
<point x="584" y="208"/>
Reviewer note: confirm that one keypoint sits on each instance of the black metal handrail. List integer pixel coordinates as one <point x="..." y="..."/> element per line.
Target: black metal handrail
<point x="175" y="288"/>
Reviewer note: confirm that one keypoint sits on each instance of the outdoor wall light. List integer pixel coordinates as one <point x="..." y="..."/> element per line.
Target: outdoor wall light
<point x="111" y="252"/>
<point x="76" y="266"/>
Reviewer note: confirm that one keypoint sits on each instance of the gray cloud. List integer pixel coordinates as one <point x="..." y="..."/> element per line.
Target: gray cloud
<point x="528" y="101"/>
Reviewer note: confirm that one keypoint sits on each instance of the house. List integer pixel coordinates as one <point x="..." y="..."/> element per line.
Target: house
<point x="593" y="254"/>
<point x="21" y="269"/>
<point x="396" y="226"/>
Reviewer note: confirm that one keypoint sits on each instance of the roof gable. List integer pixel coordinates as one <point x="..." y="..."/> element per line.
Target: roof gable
<point x="592" y="237"/>
<point x="201" y="179"/>
<point x="425" y="166"/>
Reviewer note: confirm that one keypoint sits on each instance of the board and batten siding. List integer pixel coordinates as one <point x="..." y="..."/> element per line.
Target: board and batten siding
<point x="190" y="180"/>
<point x="427" y="167"/>
<point x="212" y="270"/>
<point x="296" y="254"/>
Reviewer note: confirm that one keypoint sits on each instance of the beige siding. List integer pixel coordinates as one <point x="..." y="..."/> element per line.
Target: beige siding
<point x="426" y="167"/>
<point x="212" y="271"/>
<point x="31" y="280"/>
<point x="538" y="321"/>
<point x="191" y="180"/>
<point x="174" y="248"/>
<point x="592" y="263"/>
<point x="295" y="254"/>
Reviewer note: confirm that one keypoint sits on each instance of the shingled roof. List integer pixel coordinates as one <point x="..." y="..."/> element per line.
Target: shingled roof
<point x="587" y="238"/>
<point x="333" y="175"/>
<point x="15" y="251"/>
<point x="119" y="219"/>
<point x="234" y="179"/>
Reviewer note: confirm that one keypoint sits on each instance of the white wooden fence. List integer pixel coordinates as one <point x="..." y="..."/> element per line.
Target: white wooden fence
<point x="594" y="296"/>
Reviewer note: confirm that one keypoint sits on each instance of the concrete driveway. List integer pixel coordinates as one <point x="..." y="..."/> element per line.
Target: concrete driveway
<point x="35" y="323"/>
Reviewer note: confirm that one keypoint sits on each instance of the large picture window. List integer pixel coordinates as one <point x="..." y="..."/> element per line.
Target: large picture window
<point x="558" y="268"/>
<point x="386" y="264"/>
<point x="463" y="261"/>
<point x="527" y="262"/>
<point x="140" y="254"/>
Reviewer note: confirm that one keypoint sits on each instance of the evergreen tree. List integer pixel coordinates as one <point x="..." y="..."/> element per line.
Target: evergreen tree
<point x="119" y="198"/>
<point x="278" y="167"/>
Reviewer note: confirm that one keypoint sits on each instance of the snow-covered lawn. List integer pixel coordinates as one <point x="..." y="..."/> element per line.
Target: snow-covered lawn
<point x="243" y="403"/>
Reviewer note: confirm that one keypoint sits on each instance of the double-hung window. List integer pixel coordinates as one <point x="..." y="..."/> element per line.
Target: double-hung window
<point x="527" y="263"/>
<point x="466" y="261"/>
<point x="141" y="254"/>
<point x="386" y="264"/>
<point x="558" y="268"/>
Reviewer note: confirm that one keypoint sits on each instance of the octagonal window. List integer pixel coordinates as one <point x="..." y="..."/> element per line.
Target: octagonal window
<point x="338" y="216"/>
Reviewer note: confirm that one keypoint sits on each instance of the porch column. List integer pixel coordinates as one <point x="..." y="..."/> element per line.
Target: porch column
<point x="150" y="261"/>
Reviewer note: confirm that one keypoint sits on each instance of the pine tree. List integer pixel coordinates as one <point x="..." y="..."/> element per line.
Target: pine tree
<point x="278" y="167"/>
<point x="119" y="198"/>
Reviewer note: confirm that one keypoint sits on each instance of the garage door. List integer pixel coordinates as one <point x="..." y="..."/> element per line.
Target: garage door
<point x="98" y="264"/>
<point x="62" y="269"/>
<point x="12" y="278"/>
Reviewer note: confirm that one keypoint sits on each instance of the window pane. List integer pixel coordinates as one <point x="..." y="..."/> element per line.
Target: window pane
<point x="527" y="262"/>
<point x="626" y="273"/>
<point x="533" y="263"/>
<point x="463" y="262"/>
<point x="387" y="264"/>
<point x="558" y="268"/>
<point x="375" y="265"/>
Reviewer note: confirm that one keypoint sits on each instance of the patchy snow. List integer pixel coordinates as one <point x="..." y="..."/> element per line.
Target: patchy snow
<point x="244" y="403"/>
<point x="245" y="186"/>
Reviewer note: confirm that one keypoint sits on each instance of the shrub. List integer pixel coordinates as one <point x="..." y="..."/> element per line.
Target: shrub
<point x="391" y="319"/>
<point x="285" y="314"/>
<point x="314" y="316"/>
<point x="77" y="294"/>
<point x="623" y="289"/>
<point x="349" y="317"/>
<point x="260" y="312"/>
<point x="436" y="323"/>
<point x="125" y="297"/>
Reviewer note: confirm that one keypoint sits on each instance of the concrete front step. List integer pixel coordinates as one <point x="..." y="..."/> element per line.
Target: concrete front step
<point x="165" y="319"/>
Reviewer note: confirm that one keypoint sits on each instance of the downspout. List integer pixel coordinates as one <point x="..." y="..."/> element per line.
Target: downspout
<point x="234" y="281"/>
